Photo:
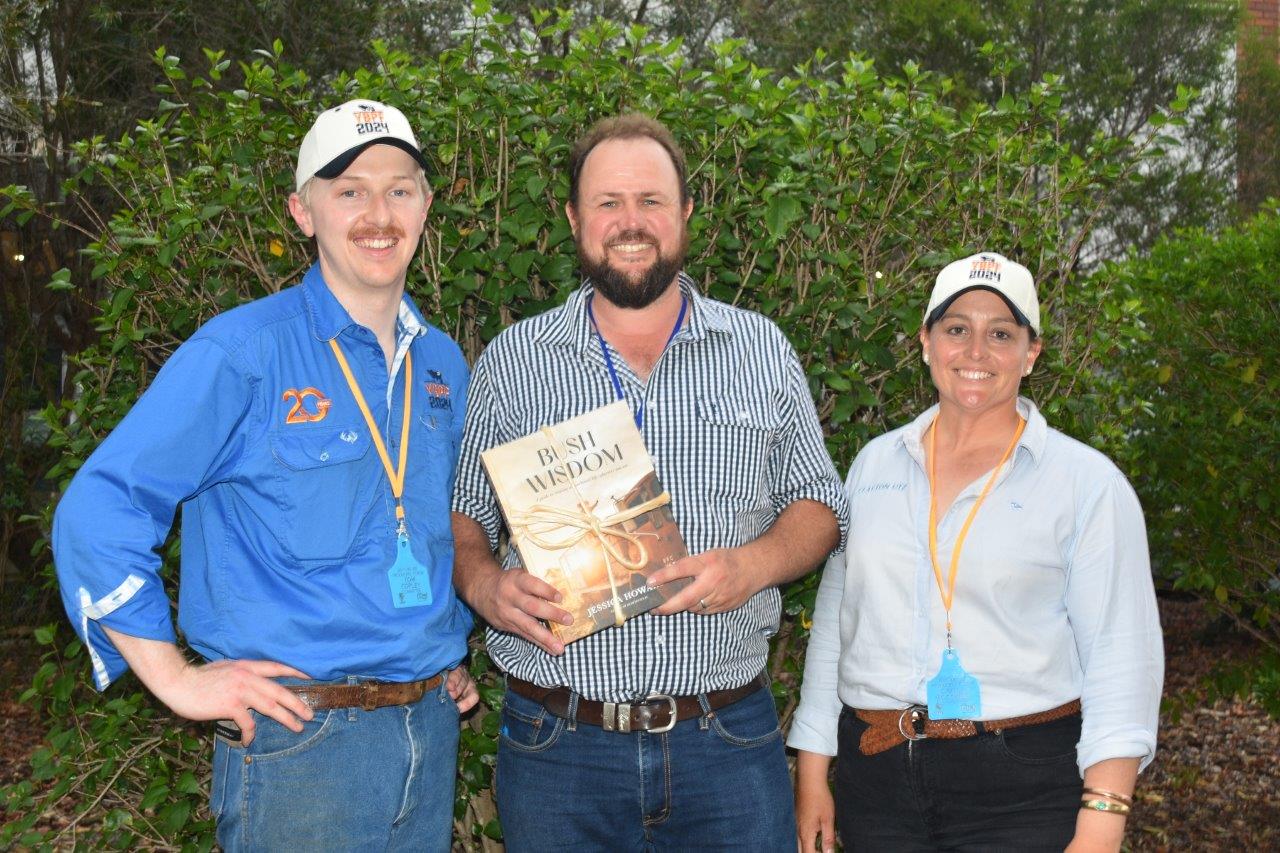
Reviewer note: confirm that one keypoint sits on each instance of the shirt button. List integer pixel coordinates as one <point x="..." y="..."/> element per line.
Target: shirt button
<point x="742" y="415"/>
<point x="653" y="404"/>
<point x="660" y="640"/>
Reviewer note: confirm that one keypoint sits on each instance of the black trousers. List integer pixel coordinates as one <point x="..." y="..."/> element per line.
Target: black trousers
<point x="1017" y="790"/>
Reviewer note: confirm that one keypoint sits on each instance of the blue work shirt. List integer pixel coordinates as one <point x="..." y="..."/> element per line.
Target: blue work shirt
<point x="288" y="519"/>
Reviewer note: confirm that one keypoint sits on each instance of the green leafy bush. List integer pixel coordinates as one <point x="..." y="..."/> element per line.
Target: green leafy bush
<point x="826" y="204"/>
<point x="1203" y="447"/>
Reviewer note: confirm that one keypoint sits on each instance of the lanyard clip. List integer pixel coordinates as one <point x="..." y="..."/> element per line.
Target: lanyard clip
<point x="402" y="530"/>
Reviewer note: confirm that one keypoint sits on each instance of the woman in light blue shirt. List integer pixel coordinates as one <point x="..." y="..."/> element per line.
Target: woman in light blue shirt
<point x="990" y="636"/>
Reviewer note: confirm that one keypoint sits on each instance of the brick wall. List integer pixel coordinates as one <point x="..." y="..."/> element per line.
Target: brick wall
<point x="1257" y="151"/>
<point x="1262" y="19"/>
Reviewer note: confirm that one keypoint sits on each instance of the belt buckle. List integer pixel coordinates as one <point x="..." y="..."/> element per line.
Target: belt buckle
<point x="919" y="716"/>
<point x="616" y="717"/>
<point x="671" y="703"/>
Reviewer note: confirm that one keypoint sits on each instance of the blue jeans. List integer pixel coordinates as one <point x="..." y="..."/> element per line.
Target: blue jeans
<point x="1018" y="790"/>
<point x="715" y="782"/>
<point x="351" y="780"/>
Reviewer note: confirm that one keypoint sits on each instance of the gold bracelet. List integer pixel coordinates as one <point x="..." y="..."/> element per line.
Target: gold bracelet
<point x="1104" y="806"/>
<point x="1111" y="795"/>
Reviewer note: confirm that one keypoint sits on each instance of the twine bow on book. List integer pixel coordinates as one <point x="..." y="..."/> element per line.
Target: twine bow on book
<point x="542" y="519"/>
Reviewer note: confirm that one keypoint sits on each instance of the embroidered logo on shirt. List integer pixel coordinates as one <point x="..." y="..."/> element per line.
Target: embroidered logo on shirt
<point x="300" y="413"/>
<point x="438" y="390"/>
<point x="349" y="436"/>
<point x="881" y="487"/>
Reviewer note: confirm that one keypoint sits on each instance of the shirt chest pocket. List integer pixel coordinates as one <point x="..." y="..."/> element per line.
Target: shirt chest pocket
<point x="433" y="459"/>
<point x="325" y="490"/>
<point x="736" y="435"/>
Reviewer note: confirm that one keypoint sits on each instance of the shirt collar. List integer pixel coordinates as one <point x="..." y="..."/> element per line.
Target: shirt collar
<point x="572" y="328"/>
<point x="329" y="319"/>
<point x="1032" y="439"/>
<point x="410" y="321"/>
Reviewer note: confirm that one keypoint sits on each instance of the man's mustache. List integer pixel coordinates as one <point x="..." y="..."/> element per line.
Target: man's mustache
<point x="378" y="234"/>
<point x="633" y="237"/>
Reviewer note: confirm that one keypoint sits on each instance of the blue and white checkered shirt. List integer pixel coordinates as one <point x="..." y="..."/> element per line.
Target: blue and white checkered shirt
<point x="734" y="438"/>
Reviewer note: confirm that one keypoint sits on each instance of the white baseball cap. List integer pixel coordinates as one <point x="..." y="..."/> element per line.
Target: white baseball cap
<point x="1009" y="280"/>
<point x="340" y="134"/>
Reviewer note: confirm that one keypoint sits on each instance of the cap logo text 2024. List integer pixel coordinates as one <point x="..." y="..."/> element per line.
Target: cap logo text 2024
<point x="369" y="120"/>
<point x="984" y="269"/>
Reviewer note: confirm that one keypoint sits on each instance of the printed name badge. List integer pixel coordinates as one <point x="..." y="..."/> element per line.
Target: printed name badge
<point x="409" y="579"/>
<point x="953" y="694"/>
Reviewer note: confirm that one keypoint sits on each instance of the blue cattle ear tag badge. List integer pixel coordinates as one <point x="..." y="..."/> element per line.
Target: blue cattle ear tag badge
<point x="410" y="581"/>
<point x="953" y="694"/>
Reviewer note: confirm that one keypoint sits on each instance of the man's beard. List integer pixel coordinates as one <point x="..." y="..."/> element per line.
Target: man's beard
<point x="617" y="287"/>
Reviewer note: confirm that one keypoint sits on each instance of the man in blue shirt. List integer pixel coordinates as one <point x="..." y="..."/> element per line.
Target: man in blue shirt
<point x="310" y="439"/>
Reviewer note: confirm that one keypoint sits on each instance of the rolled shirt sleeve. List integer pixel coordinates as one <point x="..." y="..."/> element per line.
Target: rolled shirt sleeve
<point x="802" y="468"/>
<point x="815" y="725"/>
<point x="1111" y="603"/>
<point x="120" y="506"/>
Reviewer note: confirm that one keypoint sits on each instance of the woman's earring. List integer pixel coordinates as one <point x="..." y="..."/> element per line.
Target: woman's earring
<point x="926" y="358"/>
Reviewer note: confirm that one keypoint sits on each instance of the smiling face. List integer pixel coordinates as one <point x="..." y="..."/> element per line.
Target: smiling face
<point x="367" y="221"/>
<point x="629" y="221"/>
<point x="978" y="353"/>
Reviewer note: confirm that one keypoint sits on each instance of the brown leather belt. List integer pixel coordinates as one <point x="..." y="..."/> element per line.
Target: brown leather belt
<point x="365" y="694"/>
<point x="887" y="729"/>
<point x="656" y="714"/>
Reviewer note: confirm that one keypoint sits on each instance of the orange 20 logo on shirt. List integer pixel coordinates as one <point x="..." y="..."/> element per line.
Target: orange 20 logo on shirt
<point x="299" y="413"/>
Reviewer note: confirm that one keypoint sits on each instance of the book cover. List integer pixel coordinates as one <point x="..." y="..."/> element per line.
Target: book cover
<point x="587" y="515"/>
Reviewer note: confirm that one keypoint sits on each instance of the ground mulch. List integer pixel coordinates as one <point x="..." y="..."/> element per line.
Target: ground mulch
<point x="20" y="730"/>
<point x="1215" y="784"/>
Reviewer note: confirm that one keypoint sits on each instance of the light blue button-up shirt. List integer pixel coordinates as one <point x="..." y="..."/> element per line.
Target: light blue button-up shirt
<point x="1054" y="599"/>
<point x="288" y="520"/>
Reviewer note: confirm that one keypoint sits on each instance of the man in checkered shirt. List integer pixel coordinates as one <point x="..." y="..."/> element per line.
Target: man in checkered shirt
<point x="661" y="733"/>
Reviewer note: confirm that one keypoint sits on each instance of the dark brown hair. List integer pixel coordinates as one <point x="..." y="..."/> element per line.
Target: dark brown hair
<point x="626" y="126"/>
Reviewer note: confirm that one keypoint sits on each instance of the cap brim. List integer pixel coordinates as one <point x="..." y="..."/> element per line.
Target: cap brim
<point x="936" y="314"/>
<point x="343" y="161"/>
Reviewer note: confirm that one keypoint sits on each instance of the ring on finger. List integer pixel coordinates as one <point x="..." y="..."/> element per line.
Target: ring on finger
<point x="702" y="602"/>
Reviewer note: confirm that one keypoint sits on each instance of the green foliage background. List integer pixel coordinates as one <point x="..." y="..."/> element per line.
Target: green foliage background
<point x="1202" y="446"/>
<point x="826" y="203"/>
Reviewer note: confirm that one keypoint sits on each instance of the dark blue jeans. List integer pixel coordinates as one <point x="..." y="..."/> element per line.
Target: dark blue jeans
<point x="716" y="782"/>
<point x="1017" y="790"/>
<point x="351" y="780"/>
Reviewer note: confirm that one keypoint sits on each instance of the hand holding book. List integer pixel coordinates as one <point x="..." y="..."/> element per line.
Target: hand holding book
<point x="722" y="580"/>
<point x="588" y="517"/>
<point x="520" y="603"/>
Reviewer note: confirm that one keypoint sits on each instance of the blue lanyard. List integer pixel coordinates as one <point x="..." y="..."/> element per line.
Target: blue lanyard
<point x="608" y="359"/>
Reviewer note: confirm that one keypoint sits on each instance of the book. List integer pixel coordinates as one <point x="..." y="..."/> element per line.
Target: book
<point x="588" y="516"/>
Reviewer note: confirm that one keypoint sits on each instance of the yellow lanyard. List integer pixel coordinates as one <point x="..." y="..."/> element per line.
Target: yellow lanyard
<point x="948" y="591"/>
<point x="395" y="476"/>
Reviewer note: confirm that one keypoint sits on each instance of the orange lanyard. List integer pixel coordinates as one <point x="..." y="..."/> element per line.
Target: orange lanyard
<point x="395" y="476"/>
<point x="948" y="590"/>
